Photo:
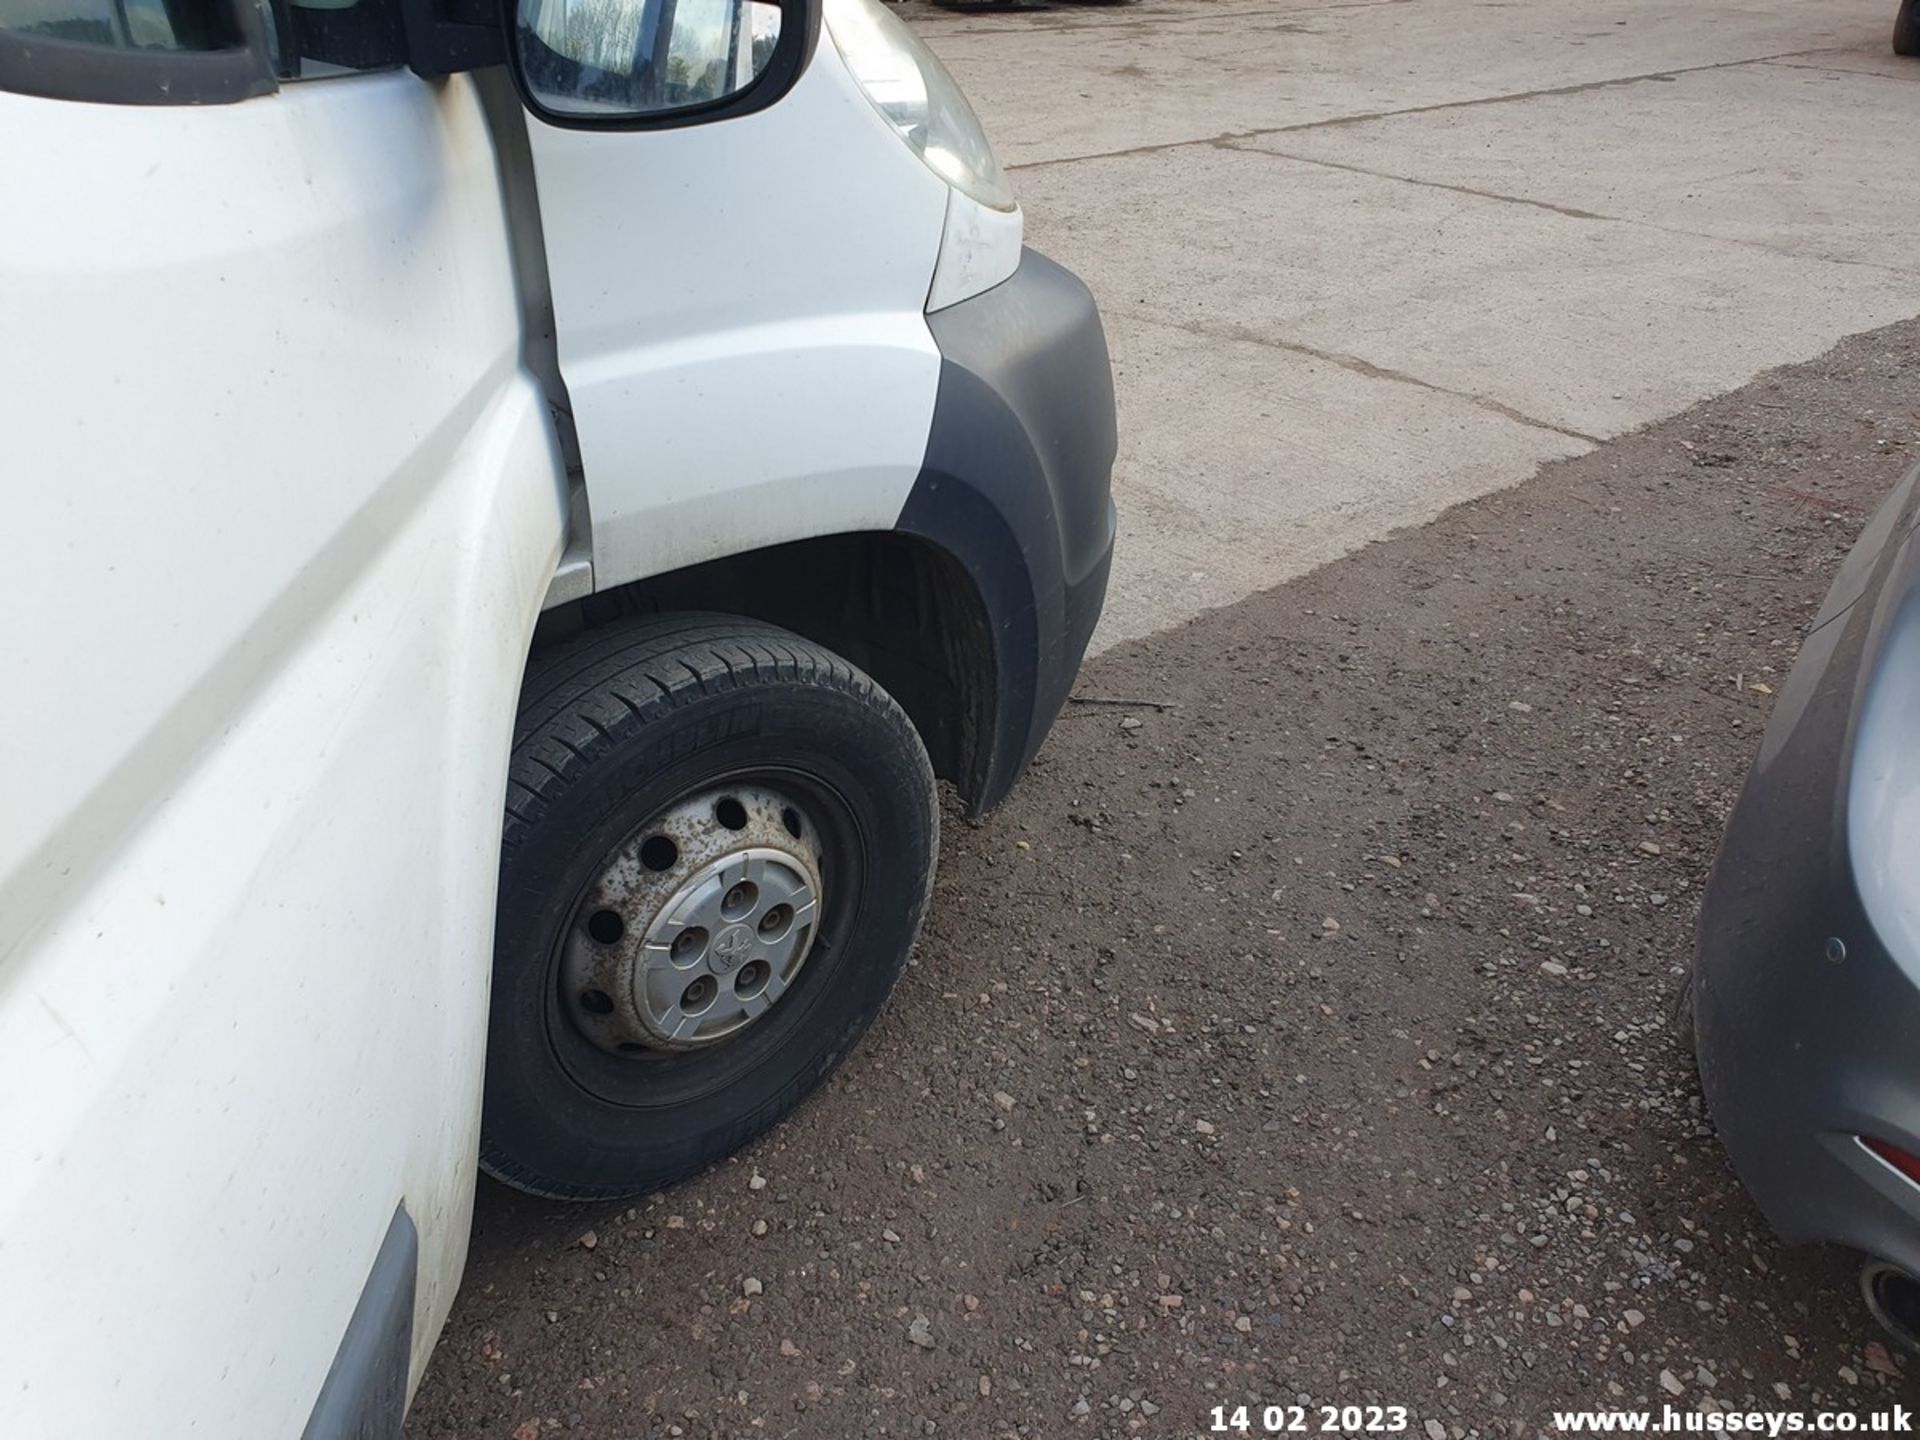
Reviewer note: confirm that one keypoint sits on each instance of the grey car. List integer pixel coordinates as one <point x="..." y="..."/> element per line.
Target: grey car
<point x="1806" y="993"/>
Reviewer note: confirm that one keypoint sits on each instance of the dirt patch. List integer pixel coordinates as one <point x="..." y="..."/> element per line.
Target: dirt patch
<point x="1303" y="1040"/>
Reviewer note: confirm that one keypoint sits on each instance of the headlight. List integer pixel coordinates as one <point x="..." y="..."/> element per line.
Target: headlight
<point x="917" y="97"/>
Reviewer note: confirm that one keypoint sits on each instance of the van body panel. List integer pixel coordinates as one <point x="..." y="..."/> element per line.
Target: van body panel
<point x="283" y="505"/>
<point x="312" y="402"/>
<point x="742" y="324"/>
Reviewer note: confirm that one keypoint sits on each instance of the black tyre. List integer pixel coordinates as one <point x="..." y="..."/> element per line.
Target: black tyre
<point x="1906" y="28"/>
<point x="719" y="844"/>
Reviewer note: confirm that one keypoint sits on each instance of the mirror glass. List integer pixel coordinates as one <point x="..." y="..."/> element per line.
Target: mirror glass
<point x="613" y="58"/>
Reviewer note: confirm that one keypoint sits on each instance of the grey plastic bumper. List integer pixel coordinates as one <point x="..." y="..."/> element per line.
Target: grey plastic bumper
<point x="1017" y="486"/>
<point x="1805" y="1022"/>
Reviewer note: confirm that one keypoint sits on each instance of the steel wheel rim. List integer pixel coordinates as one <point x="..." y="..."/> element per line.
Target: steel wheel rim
<point x="697" y="925"/>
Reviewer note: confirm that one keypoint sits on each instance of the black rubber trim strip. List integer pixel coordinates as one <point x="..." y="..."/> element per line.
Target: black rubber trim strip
<point x="364" y="1396"/>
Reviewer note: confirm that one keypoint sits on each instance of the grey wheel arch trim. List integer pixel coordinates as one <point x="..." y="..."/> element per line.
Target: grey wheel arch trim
<point x="364" y="1396"/>
<point x="1016" y="486"/>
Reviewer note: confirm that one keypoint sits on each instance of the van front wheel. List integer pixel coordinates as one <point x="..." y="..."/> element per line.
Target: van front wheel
<point x="718" y="849"/>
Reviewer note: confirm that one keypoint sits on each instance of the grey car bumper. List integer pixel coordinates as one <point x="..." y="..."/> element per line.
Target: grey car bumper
<point x="1807" y="988"/>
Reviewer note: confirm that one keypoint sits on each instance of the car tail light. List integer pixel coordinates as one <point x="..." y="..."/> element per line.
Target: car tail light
<point x="1907" y="1165"/>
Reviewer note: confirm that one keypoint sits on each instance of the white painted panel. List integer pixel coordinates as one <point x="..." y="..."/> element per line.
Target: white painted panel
<point x="282" y="505"/>
<point x="741" y="319"/>
<point x="981" y="249"/>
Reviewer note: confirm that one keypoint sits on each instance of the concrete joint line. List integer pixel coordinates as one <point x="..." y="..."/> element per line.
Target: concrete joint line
<point x="1840" y="70"/>
<point x="1785" y="251"/>
<point x="1367" y="368"/>
<point x="1333" y="122"/>
<point x="1566" y="210"/>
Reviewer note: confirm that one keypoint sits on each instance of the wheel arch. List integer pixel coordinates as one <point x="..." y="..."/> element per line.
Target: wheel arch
<point x="901" y="607"/>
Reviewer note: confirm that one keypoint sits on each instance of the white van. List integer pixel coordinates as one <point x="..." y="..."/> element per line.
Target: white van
<point x="496" y="557"/>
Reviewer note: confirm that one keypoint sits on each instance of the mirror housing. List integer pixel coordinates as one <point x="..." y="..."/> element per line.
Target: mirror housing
<point x="446" y="37"/>
<point x="655" y="64"/>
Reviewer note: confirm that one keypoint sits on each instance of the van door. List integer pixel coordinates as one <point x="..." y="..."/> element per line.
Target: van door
<point x="740" y="256"/>
<point x="282" y="504"/>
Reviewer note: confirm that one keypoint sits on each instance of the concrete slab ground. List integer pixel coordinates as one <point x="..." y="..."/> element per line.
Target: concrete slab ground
<point x="1362" y="261"/>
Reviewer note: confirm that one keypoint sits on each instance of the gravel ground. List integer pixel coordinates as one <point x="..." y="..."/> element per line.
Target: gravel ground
<point x="1300" y="1035"/>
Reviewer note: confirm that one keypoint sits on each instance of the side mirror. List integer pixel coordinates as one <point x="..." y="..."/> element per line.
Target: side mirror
<point x="648" y="64"/>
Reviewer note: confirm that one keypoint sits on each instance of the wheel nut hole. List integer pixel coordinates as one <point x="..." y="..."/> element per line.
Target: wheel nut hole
<point x="738" y="902"/>
<point x="731" y="813"/>
<point x="776" y="922"/>
<point x="658" y="853"/>
<point x="606" y="926"/>
<point x="697" y="996"/>
<point x="752" y="979"/>
<point x="688" y="944"/>
<point x="790" y="818"/>
<point x="596" y="1002"/>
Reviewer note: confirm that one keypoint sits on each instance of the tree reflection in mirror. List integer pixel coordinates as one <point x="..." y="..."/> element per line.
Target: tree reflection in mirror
<point x="609" y="58"/>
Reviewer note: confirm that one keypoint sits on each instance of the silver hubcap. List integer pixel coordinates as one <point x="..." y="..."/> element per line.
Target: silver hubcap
<point x="697" y="926"/>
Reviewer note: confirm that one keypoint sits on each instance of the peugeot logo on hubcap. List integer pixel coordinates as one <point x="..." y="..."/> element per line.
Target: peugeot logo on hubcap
<point x="731" y="947"/>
